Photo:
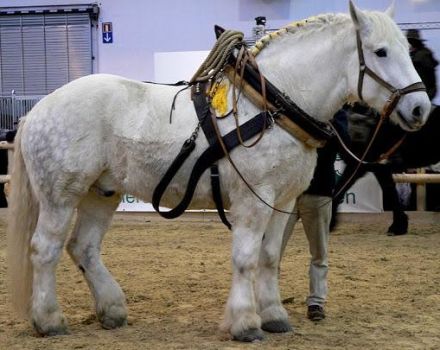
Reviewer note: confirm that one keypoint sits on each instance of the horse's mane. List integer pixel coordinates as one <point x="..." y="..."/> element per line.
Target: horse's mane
<point x="382" y="30"/>
<point x="299" y="28"/>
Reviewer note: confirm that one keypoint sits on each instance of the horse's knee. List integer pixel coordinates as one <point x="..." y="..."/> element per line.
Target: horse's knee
<point x="270" y="257"/>
<point x="245" y="256"/>
<point x="245" y="264"/>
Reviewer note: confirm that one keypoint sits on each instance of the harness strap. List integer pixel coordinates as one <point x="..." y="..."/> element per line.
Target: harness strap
<point x="212" y="154"/>
<point x="285" y="122"/>
<point x="217" y="195"/>
<point x="284" y="105"/>
<point x="203" y="114"/>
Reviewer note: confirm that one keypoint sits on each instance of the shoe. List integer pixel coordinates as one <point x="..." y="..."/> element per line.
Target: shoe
<point x="315" y="313"/>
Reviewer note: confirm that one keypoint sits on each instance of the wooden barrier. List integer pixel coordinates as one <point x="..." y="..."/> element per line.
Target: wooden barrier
<point x="417" y="178"/>
<point x="4" y="179"/>
<point x="6" y="145"/>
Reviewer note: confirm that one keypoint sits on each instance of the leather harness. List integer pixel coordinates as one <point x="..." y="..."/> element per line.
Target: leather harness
<point x="277" y="107"/>
<point x="281" y="110"/>
<point x="207" y="159"/>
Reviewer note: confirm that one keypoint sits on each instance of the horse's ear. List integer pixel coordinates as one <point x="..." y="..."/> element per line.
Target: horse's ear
<point x="390" y="10"/>
<point x="360" y="20"/>
<point x="218" y="30"/>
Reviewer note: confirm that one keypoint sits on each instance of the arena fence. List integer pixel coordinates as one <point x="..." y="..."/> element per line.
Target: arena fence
<point x="13" y="107"/>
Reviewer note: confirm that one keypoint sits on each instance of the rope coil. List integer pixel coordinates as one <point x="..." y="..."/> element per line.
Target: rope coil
<point x="218" y="56"/>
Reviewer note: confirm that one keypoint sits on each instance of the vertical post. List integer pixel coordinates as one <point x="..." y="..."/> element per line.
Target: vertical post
<point x="14" y="112"/>
<point x="421" y="193"/>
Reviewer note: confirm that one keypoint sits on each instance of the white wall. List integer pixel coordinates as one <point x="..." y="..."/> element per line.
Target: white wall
<point x="143" y="28"/>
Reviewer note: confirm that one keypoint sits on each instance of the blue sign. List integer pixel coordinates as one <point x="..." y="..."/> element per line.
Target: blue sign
<point x="107" y="32"/>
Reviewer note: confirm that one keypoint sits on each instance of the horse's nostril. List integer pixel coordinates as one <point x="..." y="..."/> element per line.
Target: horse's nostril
<point x="417" y="112"/>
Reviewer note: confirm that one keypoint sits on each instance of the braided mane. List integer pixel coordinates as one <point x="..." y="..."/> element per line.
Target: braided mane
<point x="302" y="26"/>
<point x="387" y="30"/>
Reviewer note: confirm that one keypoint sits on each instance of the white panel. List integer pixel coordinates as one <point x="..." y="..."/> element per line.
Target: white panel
<point x="170" y="67"/>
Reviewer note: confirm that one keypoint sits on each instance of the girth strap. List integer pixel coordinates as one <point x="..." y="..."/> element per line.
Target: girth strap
<point x="208" y="157"/>
<point x="203" y="112"/>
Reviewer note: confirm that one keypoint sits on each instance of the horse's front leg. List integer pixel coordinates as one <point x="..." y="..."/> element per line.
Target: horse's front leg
<point x="250" y="218"/>
<point x="273" y="315"/>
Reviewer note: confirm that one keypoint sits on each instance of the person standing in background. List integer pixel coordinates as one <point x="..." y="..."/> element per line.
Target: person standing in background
<point x="423" y="60"/>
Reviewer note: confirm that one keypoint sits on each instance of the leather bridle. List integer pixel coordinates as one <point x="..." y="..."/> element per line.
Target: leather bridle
<point x="396" y="94"/>
<point x="388" y="108"/>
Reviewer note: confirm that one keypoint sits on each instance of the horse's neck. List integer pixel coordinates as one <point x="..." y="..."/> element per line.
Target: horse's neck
<point x="312" y="70"/>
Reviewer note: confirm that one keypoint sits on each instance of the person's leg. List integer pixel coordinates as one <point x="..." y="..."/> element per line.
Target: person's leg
<point x="315" y="212"/>
<point x="288" y="230"/>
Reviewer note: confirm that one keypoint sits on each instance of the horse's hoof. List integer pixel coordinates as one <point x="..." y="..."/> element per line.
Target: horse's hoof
<point x="250" y="335"/>
<point x="399" y="226"/>
<point x="278" y="326"/>
<point x="397" y="230"/>
<point x="112" y="323"/>
<point x="50" y="331"/>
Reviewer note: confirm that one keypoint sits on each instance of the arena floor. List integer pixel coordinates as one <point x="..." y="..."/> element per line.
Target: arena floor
<point x="384" y="291"/>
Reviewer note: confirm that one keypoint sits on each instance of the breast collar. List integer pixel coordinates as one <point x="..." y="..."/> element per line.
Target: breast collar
<point x="284" y="111"/>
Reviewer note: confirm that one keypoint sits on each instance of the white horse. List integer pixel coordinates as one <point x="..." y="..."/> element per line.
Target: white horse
<point x="113" y="134"/>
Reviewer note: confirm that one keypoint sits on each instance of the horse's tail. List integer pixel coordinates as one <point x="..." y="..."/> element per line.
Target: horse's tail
<point x="22" y="220"/>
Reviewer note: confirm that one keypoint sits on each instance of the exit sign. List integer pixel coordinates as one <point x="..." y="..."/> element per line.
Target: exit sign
<point x="107" y="32"/>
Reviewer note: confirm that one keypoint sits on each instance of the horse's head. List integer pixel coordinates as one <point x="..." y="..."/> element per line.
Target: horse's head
<point x="382" y="69"/>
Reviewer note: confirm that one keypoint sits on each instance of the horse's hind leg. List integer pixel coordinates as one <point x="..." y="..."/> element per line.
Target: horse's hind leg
<point x="47" y="244"/>
<point x="94" y="217"/>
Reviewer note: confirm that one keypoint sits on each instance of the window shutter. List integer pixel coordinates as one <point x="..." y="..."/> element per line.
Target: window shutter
<point x="41" y="52"/>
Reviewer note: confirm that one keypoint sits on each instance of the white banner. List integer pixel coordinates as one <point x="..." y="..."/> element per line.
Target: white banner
<point x="131" y="203"/>
<point x="365" y="196"/>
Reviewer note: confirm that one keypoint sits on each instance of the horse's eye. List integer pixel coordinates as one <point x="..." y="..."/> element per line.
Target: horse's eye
<point x="381" y="52"/>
